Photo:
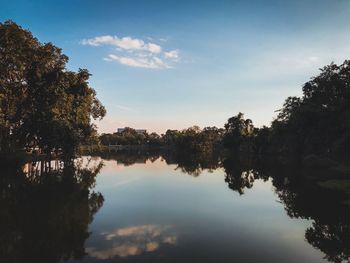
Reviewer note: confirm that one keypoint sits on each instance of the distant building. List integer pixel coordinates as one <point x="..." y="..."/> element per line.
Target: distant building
<point x="120" y="130"/>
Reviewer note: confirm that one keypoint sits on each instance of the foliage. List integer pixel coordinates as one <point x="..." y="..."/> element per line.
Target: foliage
<point x="318" y="122"/>
<point x="128" y="136"/>
<point x="42" y="104"/>
<point x="194" y="140"/>
<point x="238" y="132"/>
<point x="190" y="140"/>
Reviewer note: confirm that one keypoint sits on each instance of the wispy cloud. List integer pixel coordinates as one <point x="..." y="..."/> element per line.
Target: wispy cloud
<point x="135" y="52"/>
<point x="127" y="43"/>
<point x="140" y="62"/>
<point x="173" y="54"/>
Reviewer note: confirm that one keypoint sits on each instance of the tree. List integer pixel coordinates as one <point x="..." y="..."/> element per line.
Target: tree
<point x="261" y="140"/>
<point x="318" y="122"/>
<point x="42" y="103"/>
<point x="237" y="132"/>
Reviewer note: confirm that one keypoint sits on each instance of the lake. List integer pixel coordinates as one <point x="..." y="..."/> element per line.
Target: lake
<point x="154" y="210"/>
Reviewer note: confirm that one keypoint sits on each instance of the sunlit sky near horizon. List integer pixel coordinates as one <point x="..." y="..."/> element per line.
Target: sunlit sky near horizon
<point x="173" y="64"/>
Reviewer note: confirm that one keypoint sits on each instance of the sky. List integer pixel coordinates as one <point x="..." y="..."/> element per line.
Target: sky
<point x="161" y="65"/>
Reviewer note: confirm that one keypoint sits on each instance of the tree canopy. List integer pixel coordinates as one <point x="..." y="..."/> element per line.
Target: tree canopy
<point x="42" y="103"/>
<point x="318" y="122"/>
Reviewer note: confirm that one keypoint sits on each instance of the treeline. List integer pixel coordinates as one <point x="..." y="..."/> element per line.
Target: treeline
<point x="318" y="123"/>
<point x="43" y="105"/>
<point x="48" y="108"/>
<point x="130" y="136"/>
<point x="189" y="140"/>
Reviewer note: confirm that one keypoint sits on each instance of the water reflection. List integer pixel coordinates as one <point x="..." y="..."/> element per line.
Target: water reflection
<point x="330" y="229"/>
<point x="241" y="173"/>
<point x="193" y="164"/>
<point x="45" y="212"/>
<point x="47" y="209"/>
<point x="134" y="240"/>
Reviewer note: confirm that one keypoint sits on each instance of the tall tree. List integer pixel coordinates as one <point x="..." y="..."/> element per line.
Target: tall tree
<point x="237" y="132"/>
<point x="318" y="122"/>
<point x="42" y="103"/>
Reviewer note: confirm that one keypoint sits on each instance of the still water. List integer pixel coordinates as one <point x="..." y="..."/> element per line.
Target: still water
<point x="154" y="212"/>
<point x="155" y="209"/>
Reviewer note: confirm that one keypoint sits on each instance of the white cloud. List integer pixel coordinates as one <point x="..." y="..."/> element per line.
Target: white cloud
<point x="140" y="62"/>
<point x="154" y="48"/>
<point x="135" y="52"/>
<point x="126" y="43"/>
<point x="173" y="54"/>
<point x="97" y="41"/>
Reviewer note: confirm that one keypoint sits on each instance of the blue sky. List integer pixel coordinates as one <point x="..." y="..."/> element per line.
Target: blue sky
<point x="174" y="64"/>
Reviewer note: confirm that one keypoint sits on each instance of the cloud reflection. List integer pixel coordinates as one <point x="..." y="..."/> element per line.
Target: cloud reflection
<point x="135" y="240"/>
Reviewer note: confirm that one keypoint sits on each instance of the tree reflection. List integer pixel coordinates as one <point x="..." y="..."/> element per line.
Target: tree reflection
<point x="130" y="157"/>
<point x="46" y="210"/>
<point x="193" y="164"/>
<point x="331" y="239"/>
<point x="45" y="214"/>
<point x="330" y="230"/>
<point x="240" y="173"/>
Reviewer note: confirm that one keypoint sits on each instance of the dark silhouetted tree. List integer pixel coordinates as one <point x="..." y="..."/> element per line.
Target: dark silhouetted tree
<point x="42" y="103"/>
